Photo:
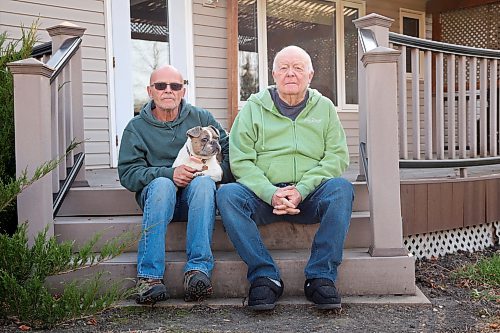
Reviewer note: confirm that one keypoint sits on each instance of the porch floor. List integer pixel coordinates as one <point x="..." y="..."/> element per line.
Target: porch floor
<point x="109" y="177"/>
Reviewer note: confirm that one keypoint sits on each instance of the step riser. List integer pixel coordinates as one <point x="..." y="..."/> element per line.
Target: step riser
<point x="118" y="201"/>
<point x="357" y="276"/>
<point x="279" y="235"/>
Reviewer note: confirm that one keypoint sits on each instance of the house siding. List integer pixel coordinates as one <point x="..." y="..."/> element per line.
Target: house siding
<point x="90" y="15"/>
<point x="210" y="58"/>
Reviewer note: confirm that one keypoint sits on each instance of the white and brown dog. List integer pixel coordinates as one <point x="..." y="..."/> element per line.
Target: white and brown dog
<point x="201" y="152"/>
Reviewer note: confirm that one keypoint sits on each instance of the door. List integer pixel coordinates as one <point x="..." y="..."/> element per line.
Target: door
<point x="144" y="33"/>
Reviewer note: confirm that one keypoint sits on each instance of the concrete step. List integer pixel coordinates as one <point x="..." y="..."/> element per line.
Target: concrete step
<point x="360" y="274"/>
<point x="110" y="201"/>
<point x="280" y="235"/>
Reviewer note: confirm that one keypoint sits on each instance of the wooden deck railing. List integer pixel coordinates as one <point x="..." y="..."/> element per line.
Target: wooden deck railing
<point x="48" y="112"/>
<point x="458" y="115"/>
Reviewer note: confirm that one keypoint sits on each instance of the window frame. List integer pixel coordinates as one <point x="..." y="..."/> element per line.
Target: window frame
<point x="360" y="5"/>
<point x="420" y="16"/>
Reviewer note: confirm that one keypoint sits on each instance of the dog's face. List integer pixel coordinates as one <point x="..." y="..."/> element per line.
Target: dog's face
<point x="204" y="141"/>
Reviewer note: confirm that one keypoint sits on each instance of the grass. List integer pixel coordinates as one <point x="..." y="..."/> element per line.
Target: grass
<point x="483" y="278"/>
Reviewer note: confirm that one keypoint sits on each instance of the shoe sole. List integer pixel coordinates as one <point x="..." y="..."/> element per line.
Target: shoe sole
<point x="198" y="292"/>
<point x="152" y="299"/>
<point x="262" y="307"/>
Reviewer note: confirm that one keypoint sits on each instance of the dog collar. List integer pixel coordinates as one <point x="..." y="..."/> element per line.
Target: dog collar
<point x="198" y="160"/>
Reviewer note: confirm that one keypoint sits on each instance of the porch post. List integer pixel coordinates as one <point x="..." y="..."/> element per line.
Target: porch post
<point x="379" y="86"/>
<point x="379" y="25"/>
<point x="74" y="98"/>
<point x="32" y="121"/>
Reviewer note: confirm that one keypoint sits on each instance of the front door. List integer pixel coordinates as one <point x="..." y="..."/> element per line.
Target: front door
<point x="142" y="42"/>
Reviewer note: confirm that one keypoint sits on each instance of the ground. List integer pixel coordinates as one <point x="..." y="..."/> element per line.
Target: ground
<point x="453" y="309"/>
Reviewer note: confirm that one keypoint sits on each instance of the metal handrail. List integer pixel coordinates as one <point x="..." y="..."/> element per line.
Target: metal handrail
<point x="42" y="50"/>
<point x="455" y="163"/>
<point x="63" y="55"/>
<point x="364" y="160"/>
<point x="431" y="45"/>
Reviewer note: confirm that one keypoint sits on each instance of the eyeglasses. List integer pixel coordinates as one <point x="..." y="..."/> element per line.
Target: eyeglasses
<point x="160" y="86"/>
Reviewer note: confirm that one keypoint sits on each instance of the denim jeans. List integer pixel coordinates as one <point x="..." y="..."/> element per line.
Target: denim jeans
<point x="330" y="204"/>
<point x="162" y="203"/>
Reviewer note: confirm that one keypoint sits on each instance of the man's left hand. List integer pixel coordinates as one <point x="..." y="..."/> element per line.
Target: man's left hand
<point x="285" y="201"/>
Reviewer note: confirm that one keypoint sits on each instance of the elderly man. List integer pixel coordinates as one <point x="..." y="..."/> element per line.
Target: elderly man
<point x="150" y="144"/>
<point x="287" y="152"/>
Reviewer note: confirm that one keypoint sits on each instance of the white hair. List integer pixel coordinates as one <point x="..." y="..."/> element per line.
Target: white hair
<point x="298" y="50"/>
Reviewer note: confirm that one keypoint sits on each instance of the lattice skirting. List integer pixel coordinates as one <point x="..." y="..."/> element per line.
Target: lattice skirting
<point x="435" y="244"/>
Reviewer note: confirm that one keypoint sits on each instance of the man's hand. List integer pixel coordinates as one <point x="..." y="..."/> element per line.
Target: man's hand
<point x="183" y="175"/>
<point x="285" y="201"/>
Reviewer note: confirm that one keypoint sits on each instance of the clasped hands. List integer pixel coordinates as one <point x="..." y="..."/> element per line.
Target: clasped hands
<point x="285" y="201"/>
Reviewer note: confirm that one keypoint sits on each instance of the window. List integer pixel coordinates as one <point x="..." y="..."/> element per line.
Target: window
<point x="150" y="44"/>
<point x="323" y="28"/>
<point x="411" y="23"/>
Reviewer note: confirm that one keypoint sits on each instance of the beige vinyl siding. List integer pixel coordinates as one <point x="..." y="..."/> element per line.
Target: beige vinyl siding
<point x="88" y="14"/>
<point x="391" y="9"/>
<point x="210" y="58"/>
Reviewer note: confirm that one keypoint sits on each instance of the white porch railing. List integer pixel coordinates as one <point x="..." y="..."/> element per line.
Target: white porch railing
<point x="48" y="112"/>
<point x="448" y="103"/>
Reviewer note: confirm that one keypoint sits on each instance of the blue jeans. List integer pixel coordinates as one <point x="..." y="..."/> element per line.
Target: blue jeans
<point x="162" y="202"/>
<point x="330" y="204"/>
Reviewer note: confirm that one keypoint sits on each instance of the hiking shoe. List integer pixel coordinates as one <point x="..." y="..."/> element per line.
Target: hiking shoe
<point x="263" y="294"/>
<point x="323" y="293"/>
<point x="197" y="286"/>
<point x="150" y="291"/>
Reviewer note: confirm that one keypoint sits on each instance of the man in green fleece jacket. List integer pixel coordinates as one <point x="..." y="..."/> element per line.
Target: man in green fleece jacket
<point x="149" y="146"/>
<point x="287" y="153"/>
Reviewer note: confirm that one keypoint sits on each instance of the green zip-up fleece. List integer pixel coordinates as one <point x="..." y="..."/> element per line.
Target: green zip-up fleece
<point x="149" y="147"/>
<point x="267" y="148"/>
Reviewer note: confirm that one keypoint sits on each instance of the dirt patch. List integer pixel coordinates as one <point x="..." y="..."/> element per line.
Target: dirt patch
<point x="453" y="310"/>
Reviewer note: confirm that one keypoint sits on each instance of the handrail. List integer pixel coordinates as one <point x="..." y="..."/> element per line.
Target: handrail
<point x="431" y="45"/>
<point x="455" y="163"/>
<point x="59" y="197"/>
<point x="364" y="160"/>
<point x="42" y="50"/>
<point x="63" y="55"/>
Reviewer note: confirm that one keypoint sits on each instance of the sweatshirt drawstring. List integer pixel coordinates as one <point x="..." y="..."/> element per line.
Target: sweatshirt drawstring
<point x="263" y="146"/>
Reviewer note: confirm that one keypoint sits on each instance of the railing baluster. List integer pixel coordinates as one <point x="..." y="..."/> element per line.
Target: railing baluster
<point x="473" y="106"/>
<point x="462" y="108"/>
<point x="428" y="103"/>
<point x="494" y="107"/>
<point x="403" y="108"/>
<point x="415" y="100"/>
<point x="439" y="107"/>
<point x="483" y="126"/>
<point x="451" y="105"/>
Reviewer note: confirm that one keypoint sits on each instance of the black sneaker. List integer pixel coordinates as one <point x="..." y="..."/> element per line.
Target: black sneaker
<point x="263" y="294"/>
<point x="323" y="293"/>
<point x="197" y="286"/>
<point x="150" y="291"/>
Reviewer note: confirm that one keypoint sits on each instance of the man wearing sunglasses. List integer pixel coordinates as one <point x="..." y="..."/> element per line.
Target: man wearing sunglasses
<point x="149" y="146"/>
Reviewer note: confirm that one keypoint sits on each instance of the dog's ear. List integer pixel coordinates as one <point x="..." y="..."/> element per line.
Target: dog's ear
<point x="194" y="132"/>
<point x="215" y="130"/>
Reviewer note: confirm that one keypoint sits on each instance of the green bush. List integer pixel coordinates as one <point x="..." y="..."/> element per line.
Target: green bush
<point x="10" y="50"/>
<point x="25" y="269"/>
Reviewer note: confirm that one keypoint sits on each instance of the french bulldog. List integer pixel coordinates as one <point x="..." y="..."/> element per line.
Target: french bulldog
<point x="201" y="152"/>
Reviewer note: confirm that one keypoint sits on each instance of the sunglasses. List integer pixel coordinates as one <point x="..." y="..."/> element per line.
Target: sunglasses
<point x="163" y="85"/>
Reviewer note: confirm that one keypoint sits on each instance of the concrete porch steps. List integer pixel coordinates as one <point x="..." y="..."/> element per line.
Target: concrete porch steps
<point x="280" y="235"/>
<point x="359" y="274"/>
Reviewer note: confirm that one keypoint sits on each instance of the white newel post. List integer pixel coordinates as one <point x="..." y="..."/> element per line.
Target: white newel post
<point x="33" y="141"/>
<point x="72" y="101"/>
<point x="379" y="86"/>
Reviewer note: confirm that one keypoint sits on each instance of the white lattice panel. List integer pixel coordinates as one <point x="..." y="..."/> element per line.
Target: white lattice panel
<point x="435" y="244"/>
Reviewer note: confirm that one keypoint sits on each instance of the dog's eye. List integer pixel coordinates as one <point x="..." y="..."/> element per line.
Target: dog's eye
<point x="204" y="140"/>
